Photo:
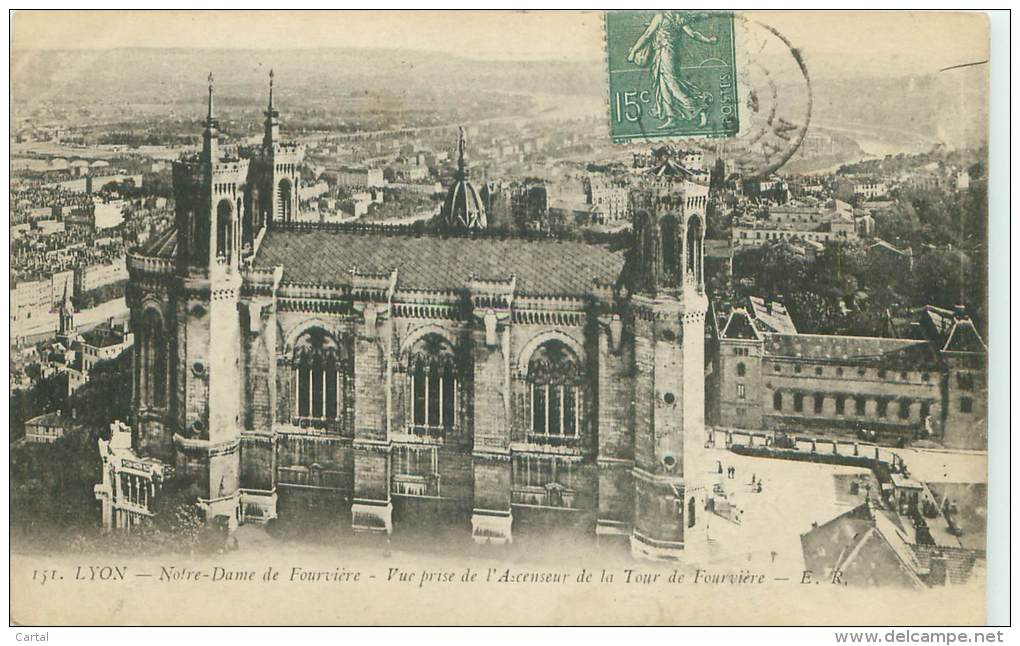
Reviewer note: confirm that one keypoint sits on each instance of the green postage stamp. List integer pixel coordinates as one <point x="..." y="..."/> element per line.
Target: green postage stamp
<point x="671" y="74"/>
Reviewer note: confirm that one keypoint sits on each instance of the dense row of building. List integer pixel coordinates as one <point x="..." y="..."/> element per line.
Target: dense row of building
<point x="810" y="221"/>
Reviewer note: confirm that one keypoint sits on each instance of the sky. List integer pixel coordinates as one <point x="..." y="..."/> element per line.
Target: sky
<point x="893" y="43"/>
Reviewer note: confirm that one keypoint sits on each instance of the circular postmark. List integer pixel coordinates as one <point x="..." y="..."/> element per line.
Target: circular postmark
<point x="774" y="91"/>
<point x="773" y="105"/>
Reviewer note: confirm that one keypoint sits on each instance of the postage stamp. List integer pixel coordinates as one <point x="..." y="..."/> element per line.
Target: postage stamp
<point x="671" y="74"/>
<point x="775" y="99"/>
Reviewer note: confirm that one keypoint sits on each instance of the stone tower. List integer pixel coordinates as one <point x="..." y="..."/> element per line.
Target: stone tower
<point x="741" y="389"/>
<point x="282" y="173"/>
<point x="669" y="306"/>
<point x="965" y="357"/>
<point x="204" y="404"/>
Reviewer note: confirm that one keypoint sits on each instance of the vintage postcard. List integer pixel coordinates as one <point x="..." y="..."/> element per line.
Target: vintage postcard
<point x="580" y="317"/>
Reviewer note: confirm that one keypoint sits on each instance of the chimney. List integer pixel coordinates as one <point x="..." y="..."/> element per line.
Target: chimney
<point x="960" y="311"/>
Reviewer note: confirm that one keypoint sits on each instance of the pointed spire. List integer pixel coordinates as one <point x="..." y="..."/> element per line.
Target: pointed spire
<point x="209" y="117"/>
<point x="210" y="147"/>
<point x="461" y="150"/>
<point x="272" y="123"/>
<point x="66" y="313"/>
<point x="270" y="90"/>
<point x="66" y="303"/>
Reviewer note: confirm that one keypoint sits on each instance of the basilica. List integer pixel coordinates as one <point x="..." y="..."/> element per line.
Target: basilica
<point x="376" y="373"/>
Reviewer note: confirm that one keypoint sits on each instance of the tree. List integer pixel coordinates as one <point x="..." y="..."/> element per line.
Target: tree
<point x="107" y="394"/>
<point x="46" y="395"/>
<point x="814" y="313"/>
<point x="899" y="225"/>
<point x="52" y="489"/>
<point x="176" y="525"/>
<point x="941" y="277"/>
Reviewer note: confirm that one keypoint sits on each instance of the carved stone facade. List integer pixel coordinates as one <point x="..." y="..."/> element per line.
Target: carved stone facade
<point x="375" y="373"/>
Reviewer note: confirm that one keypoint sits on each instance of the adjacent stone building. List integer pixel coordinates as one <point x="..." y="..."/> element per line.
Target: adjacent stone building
<point x="772" y="377"/>
<point x="379" y="375"/>
<point x="808" y="220"/>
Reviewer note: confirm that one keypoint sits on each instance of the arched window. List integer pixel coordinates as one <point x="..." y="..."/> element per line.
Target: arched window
<point x="694" y="242"/>
<point x="247" y="222"/>
<point x="777" y="400"/>
<point x="432" y="370"/>
<point x="741" y="369"/>
<point x="691" y="509"/>
<point x="283" y="200"/>
<point x="670" y="237"/>
<point x="321" y="378"/>
<point x="153" y="361"/>
<point x="224" y="229"/>
<point x="237" y="234"/>
<point x="555" y="379"/>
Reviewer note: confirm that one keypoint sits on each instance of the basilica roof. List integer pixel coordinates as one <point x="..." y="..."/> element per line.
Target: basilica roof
<point x="161" y="245"/>
<point x="542" y="267"/>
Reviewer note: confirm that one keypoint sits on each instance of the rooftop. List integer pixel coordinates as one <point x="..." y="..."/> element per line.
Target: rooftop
<point x="966" y="505"/>
<point x="51" y="419"/>
<point x="739" y="326"/>
<point x="544" y="267"/>
<point x="772" y="316"/>
<point x="162" y="245"/>
<point x="860" y="539"/>
<point x="857" y="349"/>
<point x="103" y="336"/>
<point x="964" y="337"/>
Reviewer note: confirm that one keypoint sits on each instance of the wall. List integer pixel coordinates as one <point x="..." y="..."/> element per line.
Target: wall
<point x="781" y="374"/>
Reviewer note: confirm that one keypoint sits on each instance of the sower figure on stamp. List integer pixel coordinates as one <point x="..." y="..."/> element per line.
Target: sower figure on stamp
<point x="675" y="98"/>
